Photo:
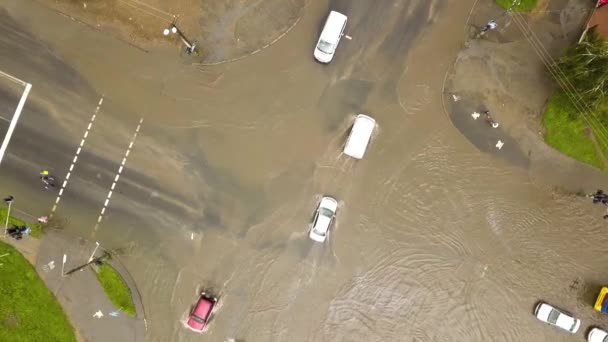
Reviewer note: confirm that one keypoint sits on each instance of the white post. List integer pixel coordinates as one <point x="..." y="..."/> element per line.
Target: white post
<point x="95" y="250"/>
<point x="8" y="215"/>
<point x="14" y="120"/>
<point x="63" y="265"/>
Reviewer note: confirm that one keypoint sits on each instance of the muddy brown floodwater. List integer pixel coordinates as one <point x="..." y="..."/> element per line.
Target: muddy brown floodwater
<point x="435" y="239"/>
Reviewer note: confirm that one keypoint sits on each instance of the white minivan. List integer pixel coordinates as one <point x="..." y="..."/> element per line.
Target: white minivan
<point x="359" y="136"/>
<point x="330" y="37"/>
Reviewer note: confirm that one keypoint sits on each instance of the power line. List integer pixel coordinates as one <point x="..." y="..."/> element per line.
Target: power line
<point x="559" y="75"/>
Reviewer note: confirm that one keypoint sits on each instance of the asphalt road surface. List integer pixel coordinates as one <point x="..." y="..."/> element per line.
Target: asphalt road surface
<point x="435" y="239"/>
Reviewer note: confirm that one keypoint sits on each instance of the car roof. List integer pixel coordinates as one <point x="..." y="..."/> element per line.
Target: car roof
<point x="322" y="225"/>
<point x="360" y="136"/>
<point x="203" y="307"/>
<point x="333" y="27"/>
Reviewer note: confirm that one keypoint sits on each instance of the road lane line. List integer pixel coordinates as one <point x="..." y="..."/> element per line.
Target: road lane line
<point x="78" y="150"/>
<point x="14" y="120"/>
<point x="13" y="79"/>
<point x="118" y="173"/>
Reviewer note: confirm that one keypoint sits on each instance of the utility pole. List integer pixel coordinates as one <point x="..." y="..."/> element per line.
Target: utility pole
<point x="190" y="46"/>
<point x="105" y="255"/>
<point x="8" y="200"/>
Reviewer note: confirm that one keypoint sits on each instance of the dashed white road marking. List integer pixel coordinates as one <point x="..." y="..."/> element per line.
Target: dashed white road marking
<point x="78" y="150"/>
<point x="120" y="168"/>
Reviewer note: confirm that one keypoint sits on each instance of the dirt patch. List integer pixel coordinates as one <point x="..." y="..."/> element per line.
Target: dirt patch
<point x="223" y="30"/>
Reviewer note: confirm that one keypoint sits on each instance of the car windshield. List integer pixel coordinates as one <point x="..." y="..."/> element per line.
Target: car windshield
<point x="326" y="212"/>
<point x="553" y="315"/>
<point x="198" y="319"/>
<point x="326" y="47"/>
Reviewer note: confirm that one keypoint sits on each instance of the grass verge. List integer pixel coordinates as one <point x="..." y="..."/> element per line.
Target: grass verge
<point x="524" y="5"/>
<point x="565" y="131"/>
<point x="115" y="288"/>
<point x="28" y="309"/>
<point x="35" y="227"/>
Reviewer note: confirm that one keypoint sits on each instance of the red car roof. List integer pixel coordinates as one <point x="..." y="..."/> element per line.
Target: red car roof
<point x="202" y="310"/>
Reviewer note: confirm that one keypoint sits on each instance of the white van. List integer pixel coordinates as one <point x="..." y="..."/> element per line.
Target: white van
<point x="359" y="136"/>
<point x="330" y="37"/>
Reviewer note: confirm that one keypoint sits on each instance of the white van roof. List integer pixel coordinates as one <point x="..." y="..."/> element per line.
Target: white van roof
<point x="333" y="27"/>
<point x="360" y="136"/>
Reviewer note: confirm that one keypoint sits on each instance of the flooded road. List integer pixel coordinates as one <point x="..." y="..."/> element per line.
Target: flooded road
<point x="435" y="239"/>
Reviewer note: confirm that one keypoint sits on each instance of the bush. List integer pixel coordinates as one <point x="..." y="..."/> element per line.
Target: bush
<point x="565" y="131"/>
<point x="524" y="5"/>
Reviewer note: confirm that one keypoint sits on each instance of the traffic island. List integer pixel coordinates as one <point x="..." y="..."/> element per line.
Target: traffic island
<point x="29" y="310"/>
<point x="115" y="288"/>
<point x="64" y="263"/>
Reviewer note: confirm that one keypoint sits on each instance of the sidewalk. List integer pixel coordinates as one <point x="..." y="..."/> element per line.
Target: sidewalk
<point x="80" y="293"/>
<point x="502" y="72"/>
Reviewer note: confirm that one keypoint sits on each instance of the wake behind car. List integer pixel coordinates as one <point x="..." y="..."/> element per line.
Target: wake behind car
<point x="201" y="313"/>
<point x="324" y="217"/>
<point x="553" y="316"/>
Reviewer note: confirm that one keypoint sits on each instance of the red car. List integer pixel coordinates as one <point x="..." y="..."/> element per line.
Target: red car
<point x="200" y="315"/>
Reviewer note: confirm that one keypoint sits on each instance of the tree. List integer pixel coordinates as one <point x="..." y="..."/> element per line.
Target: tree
<point x="585" y="68"/>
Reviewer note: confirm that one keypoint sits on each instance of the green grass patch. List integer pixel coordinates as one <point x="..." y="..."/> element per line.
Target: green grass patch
<point x="28" y="309"/>
<point x="524" y="5"/>
<point x="117" y="291"/>
<point x="565" y="131"/>
<point x="35" y="227"/>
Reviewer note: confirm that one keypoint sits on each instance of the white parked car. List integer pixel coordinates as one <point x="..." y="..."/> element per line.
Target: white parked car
<point x="324" y="217"/>
<point x="556" y="317"/>
<point x="597" y="335"/>
<point x="330" y="37"/>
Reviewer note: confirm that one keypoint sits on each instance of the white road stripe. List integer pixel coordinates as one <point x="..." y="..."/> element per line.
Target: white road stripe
<point x="14" y="120"/>
<point x="120" y="168"/>
<point x="13" y="79"/>
<point x="78" y="150"/>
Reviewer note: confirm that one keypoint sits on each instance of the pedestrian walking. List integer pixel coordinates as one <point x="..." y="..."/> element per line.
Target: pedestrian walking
<point x="491" y="25"/>
<point x="489" y="119"/>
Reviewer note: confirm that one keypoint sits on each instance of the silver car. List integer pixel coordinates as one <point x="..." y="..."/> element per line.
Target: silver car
<point x="324" y="217"/>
